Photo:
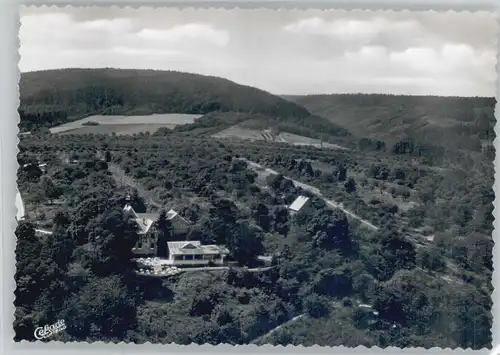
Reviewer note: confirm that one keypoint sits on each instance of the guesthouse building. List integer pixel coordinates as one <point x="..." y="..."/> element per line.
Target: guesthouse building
<point x="192" y="253"/>
<point x="148" y="234"/>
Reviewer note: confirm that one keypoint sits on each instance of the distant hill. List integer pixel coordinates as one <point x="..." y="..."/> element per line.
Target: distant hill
<point x="451" y="122"/>
<point x="311" y="126"/>
<point x="55" y="96"/>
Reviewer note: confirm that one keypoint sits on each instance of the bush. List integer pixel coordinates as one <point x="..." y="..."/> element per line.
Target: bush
<point x="347" y="302"/>
<point x="316" y="306"/>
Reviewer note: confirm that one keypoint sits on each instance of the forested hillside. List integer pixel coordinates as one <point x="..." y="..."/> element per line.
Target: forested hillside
<point x="395" y="248"/>
<point x="426" y="125"/>
<point x="54" y="96"/>
<point x="326" y="264"/>
<point x="311" y="126"/>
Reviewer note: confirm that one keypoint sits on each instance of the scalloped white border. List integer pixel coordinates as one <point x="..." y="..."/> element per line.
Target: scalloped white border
<point x="9" y="101"/>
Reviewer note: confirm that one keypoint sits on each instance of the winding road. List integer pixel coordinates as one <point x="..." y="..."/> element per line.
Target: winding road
<point x="316" y="192"/>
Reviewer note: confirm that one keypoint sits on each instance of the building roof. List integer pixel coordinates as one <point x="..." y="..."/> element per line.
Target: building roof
<point x="298" y="203"/>
<point x="171" y="214"/>
<point x="129" y="209"/>
<point x="174" y="214"/>
<point x="146" y="220"/>
<point x="194" y="247"/>
<point x="143" y="220"/>
<point x="214" y="249"/>
<point x="152" y="216"/>
<point x="144" y="224"/>
<point x="186" y="247"/>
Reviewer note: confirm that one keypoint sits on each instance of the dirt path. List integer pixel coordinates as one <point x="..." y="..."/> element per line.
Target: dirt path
<point x="43" y="231"/>
<point x="316" y="192"/>
<point x="123" y="179"/>
<point x="275" y="329"/>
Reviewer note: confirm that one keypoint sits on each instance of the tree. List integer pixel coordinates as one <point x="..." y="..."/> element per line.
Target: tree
<point x="315" y="306"/>
<point x="164" y="234"/>
<point x="137" y="202"/>
<point x="340" y="172"/>
<point x="116" y="238"/>
<point x="59" y="248"/>
<point x="223" y="315"/>
<point x="430" y="259"/>
<point x="103" y="308"/>
<point x="30" y="172"/>
<point x="363" y="285"/>
<point x="350" y="185"/>
<point x="274" y="181"/>
<point x="330" y="230"/>
<point x="245" y="242"/>
<point x="280" y="183"/>
<point x="107" y="156"/>
<point x="192" y="212"/>
<point x="397" y="251"/>
<point x="221" y="220"/>
<point x="390" y="305"/>
<point x="333" y="283"/>
<point x="62" y="219"/>
<point x="50" y="190"/>
<point x="260" y="213"/>
<point x="281" y="220"/>
<point x="203" y="304"/>
<point x="361" y="317"/>
<point x="27" y="276"/>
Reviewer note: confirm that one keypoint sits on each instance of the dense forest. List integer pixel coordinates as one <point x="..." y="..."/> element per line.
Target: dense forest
<point x="140" y="92"/>
<point x="326" y="264"/>
<point x="395" y="250"/>
<point x="434" y="126"/>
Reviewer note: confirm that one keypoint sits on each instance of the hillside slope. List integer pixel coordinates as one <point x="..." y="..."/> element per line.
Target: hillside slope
<point x="311" y="126"/>
<point x="452" y="122"/>
<point x="56" y="96"/>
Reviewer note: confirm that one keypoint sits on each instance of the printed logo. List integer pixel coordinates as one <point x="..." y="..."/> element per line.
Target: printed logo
<point x="49" y="330"/>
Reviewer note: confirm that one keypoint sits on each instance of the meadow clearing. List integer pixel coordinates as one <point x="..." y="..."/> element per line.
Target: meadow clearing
<point x="125" y="124"/>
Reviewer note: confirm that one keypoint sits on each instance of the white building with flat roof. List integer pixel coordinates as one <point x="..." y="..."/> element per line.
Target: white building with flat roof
<point x="300" y="204"/>
<point x="192" y="253"/>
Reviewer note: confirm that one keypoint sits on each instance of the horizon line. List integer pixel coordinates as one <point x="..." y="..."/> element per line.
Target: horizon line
<point x="275" y="94"/>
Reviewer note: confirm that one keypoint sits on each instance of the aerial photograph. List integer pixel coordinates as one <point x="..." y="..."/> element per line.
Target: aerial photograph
<point x="236" y="176"/>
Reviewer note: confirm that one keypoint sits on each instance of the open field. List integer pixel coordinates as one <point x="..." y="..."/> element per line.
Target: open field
<point x="295" y="139"/>
<point x="119" y="129"/>
<point x="239" y="132"/>
<point x="125" y="124"/>
<point x="266" y="135"/>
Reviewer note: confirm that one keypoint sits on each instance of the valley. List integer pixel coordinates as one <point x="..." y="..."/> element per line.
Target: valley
<point x="392" y="244"/>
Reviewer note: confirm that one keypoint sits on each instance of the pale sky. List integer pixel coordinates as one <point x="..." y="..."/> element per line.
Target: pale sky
<point x="283" y="52"/>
